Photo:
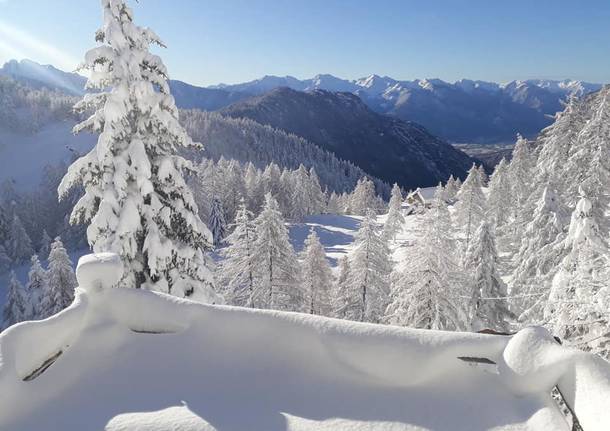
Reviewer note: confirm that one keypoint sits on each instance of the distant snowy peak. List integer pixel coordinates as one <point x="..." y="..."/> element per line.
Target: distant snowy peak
<point x="264" y="84"/>
<point x="470" y="85"/>
<point x="466" y="111"/>
<point x="565" y="88"/>
<point x="331" y="83"/>
<point x="376" y="86"/>
<point x="432" y="84"/>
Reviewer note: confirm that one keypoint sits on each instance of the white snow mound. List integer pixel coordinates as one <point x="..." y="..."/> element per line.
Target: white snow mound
<point x="98" y="270"/>
<point x="127" y="359"/>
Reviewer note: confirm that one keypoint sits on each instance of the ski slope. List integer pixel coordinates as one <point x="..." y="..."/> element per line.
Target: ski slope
<point x="126" y="359"/>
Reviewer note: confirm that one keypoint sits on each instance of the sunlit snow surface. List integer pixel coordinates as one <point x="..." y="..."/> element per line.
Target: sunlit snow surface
<point x="24" y="156"/>
<point x="136" y="360"/>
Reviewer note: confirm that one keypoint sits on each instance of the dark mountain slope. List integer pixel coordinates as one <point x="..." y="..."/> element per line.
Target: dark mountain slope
<point x="206" y="99"/>
<point x="386" y="147"/>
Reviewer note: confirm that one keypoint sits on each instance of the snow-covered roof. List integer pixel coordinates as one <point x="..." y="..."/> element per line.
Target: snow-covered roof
<point x="424" y="195"/>
<point x="121" y="359"/>
<point x="427" y="193"/>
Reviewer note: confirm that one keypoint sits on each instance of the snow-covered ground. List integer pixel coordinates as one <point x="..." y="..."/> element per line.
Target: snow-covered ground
<point x="126" y="359"/>
<point x="23" y="156"/>
<point x="336" y="233"/>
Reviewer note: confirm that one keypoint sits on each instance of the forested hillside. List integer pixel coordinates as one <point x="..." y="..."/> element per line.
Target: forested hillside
<point x="385" y="147"/>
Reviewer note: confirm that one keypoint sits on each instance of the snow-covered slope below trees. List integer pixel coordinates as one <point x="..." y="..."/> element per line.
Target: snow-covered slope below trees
<point x="336" y="232"/>
<point x="124" y="359"/>
<point x="463" y="111"/>
<point x="24" y="155"/>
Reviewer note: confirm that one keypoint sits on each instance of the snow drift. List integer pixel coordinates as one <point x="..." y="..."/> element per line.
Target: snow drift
<point x="122" y="359"/>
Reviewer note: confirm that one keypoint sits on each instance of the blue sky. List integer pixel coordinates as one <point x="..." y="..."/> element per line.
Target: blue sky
<point x="212" y="41"/>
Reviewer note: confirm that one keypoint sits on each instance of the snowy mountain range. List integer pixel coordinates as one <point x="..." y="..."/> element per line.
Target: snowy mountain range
<point x="187" y="96"/>
<point x="36" y="132"/>
<point x="375" y="85"/>
<point x="327" y="128"/>
<point x="465" y="111"/>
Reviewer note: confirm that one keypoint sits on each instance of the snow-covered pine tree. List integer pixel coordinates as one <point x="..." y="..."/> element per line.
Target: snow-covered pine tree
<point x="301" y="196"/>
<point x="4" y="226"/>
<point x="317" y="277"/>
<point x="203" y="185"/>
<point x="345" y="202"/>
<point x="344" y="302"/>
<point x="35" y="290"/>
<point x="45" y="245"/>
<point x="539" y="257"/>
<point x="451" y="190"/>
<point x="570" y="155"/>
<point x="557" y="139"/>
<point x="499" y="203"/>
<point x="317" y="196"/>
<point x="395" y="219"/>
<point x="19" y="245"/>
<point x="271" y="180"/>
<point x="483" y="175"/>
<point x="231" y="188"/>
<point x="458" y="183"/>
<point x="286" y="193"/>
<point x="217" y="222"/>
<point x="363" y="197"/>
<point x="427" y="292"/>
<point x="470" y="207"/>
<point x="236" y="271"/>
<point x="520" y="174"/>
<point x="308" y="197"/>
<point x="15" y="305"/>
<point x="488" y="308"/>
<point x="590" y="164"/>
<point x="61" y="280"/>
<point x="560" y="165"/>
<point x="254" y="188"/>
<point x="335" y="204"/>
<point x="136" y="200"/>
<point x="277" y="278"/>
<point x="5" y="260"/>
<point x="370" y="269"/>
<point x="576" y="309"/>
